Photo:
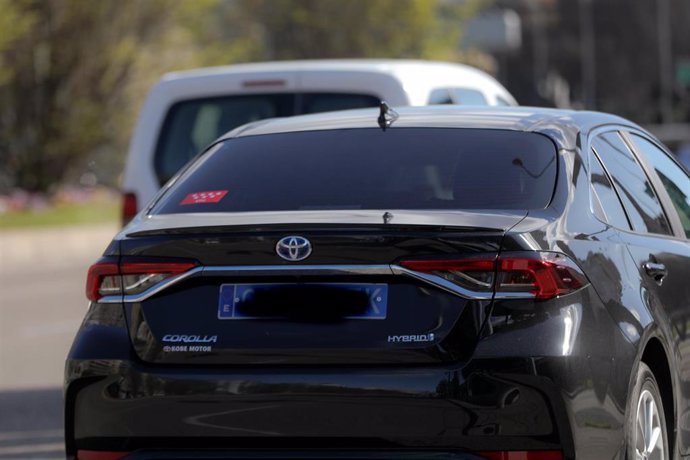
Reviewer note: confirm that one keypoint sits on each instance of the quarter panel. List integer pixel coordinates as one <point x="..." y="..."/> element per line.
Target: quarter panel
<point x="620" y="317"/>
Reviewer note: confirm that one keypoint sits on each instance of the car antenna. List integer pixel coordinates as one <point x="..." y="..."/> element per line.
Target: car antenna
<point x="386" y="116"/>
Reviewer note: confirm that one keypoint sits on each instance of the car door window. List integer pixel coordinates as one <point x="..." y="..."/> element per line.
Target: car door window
<point x="328" y="102"/>
<point x="675" y="179"/>
<point x="191" y="125"/>
<point x="462" y="96"/>
<point x="632" y="185"/>
<point x="440" y="96"/>
<point x="466" y="96"/>
<point x="502" y="102"/>
<point x="609" y="208"/>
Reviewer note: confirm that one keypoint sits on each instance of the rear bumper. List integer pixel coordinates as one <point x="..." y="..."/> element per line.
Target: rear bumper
<point x="302" y="455"/>
<point x="564" y="389"/>
<point x="488" y="405"/>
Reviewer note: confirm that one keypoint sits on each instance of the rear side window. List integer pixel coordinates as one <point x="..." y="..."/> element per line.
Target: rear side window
<point x="404" y="168"/>
<point x="609" y="207"/>
<point x="634" y="189"/>
<point x="191" y="125"/>
<point x="675" y="179"/>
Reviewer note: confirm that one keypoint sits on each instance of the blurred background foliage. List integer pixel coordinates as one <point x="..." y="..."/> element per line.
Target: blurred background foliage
<point x="74" y="73"/>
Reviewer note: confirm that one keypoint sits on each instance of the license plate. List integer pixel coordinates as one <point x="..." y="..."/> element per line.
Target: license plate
<point x="234" y="297"/>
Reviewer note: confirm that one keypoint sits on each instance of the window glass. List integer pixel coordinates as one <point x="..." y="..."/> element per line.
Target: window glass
<point x="191" y="125"/>
<point x="464" y="96"/>
<point x="674" y="178"/>
<point x="610" y="206"/>
<point x="328" y="102"/>
<point x="403" y="168"/>
<point x="634" y="189"/>
<point x="440" y="96"/>
<point x="502" y="102"/>
<point x="461" y="96"/>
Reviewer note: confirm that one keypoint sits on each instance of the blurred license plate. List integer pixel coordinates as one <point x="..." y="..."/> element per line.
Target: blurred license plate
<point x="237" y="301"/>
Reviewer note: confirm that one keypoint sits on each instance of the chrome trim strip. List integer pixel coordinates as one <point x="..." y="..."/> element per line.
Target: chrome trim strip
<point x="251" y="270"/>
<point x="110" y="299"/>
<point x="269" y="270"/>
<point x="513" y="295"/>
<point x="315" y="270"/>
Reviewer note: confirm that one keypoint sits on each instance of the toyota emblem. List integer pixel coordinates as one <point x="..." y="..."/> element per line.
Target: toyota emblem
<point x="293" y="248"/>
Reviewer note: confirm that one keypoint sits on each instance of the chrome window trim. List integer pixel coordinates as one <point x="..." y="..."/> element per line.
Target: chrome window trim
<point x="315" y="270"/>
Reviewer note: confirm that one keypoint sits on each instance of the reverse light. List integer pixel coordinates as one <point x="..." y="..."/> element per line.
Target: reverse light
<point x="107" y="278"/>
<point x="539" y="275"/>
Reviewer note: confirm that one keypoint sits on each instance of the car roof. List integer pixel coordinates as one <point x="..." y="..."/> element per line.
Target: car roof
<point x="388" y="66"/>
<point x="416" y="77"/>
<point x="562" y="126"/>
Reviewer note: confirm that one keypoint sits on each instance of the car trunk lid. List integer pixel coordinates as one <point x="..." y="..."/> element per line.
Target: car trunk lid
<point x="346" y="303"/>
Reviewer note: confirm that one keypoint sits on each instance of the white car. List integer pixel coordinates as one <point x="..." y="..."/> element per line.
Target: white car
<point x="187" y="110"/>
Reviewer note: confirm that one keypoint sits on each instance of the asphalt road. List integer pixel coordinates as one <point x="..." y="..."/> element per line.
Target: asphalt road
<point x="42" y="275"/>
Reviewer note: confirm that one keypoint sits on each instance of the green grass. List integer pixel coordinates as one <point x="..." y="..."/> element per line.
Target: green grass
<point x="62" y="215"/>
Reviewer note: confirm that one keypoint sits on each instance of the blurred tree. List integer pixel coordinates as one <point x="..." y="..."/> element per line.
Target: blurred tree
<point x="65" y="64"/>
<point x="246" y="30"/>
<point x="14" y="24"/>
<point x="73" y="73"/>
<point x="298" y="29"/>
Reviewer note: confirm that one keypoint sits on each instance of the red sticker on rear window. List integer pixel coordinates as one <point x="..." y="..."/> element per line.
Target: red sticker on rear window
<point x="204" y="197"/>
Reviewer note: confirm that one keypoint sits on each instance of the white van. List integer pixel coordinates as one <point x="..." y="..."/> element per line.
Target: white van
<point x="187" y="110"/>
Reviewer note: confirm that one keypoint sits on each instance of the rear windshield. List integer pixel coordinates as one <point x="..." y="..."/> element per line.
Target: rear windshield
<point x="403" y="168"/>
<point x="191" y="125"/>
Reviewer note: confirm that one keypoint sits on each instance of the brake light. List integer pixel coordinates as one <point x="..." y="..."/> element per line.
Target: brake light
<point x="262" y="83"/>
<point x="100" y="455"/>
<point x="523" y="455"/>
<point x="544" y="274"/>
<point x="541" y="275"/>
<point x="129" y="207"/>
<point x="129" y="277"/>
<point x="476" y="274"/>
<point x="102" y="273"/>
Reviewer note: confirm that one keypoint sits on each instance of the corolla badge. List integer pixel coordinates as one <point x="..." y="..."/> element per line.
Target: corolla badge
<point x="293" y="248"/>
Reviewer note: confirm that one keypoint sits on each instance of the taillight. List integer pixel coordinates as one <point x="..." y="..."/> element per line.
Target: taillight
<point x="544" y="274"/>
<point x="129" y="207"/>
<point x="107" y="278"/>
<point x="523" y="455"/>
<point x="100" y="455"/>
<point x="103" y="273"/>
<point x="538" y="275"/>
<point x="475" y="274"/>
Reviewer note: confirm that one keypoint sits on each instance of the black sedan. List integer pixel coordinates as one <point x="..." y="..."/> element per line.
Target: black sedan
<point x="442" y="283"/>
